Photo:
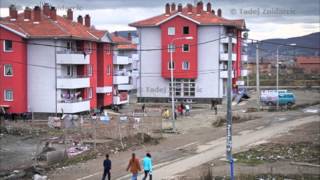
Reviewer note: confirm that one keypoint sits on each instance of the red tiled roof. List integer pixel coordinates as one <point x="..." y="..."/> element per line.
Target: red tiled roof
<point x="308" y="60"/>
<point x="127" y="46"/>
<point x="48" y="28"/>
<point x="205" y="18"/>
<point x="119" y="39"/>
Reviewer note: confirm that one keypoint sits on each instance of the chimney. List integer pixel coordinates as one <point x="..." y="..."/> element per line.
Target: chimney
<point x="129" y="36"/>
<point x="167" y="9"/>
<point x="70" y="14"/>
<point x="213" y="12"/>
<point x="173" y="7"/>
<point x="27" y="14"/>
<point x="208" y="7"/>
<point x="80" y="19"/>
<point x="219" y="12"/>
<point x="87" y="20"/>
<point x="53" y="13"/>
<point x="36" y="14"/>
<point x="13" y="13"/>
<point x="116" y="33"/>
<point x="199" y="7"/>
<point x="46" y="9"/>
<point x="179" y="7"/>
<point x="189" y="7"/>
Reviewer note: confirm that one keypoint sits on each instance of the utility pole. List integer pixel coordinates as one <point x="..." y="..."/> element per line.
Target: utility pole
<point x="257" y="75"/>
<point x="277" y="66"/>
<point x="229" y="107"/>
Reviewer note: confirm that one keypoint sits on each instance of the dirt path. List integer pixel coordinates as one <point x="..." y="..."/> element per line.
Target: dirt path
<point x="216" y="148"/>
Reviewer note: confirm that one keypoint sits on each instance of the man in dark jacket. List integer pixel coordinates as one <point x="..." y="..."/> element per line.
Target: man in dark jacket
<point x="107" y="168"/>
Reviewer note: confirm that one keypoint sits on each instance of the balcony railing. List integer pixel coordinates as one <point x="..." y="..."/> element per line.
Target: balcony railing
<point x="244" y="72"/>
<point x="73" y="82"/>
<point x="225" y="56"/>
<point x="120" y="79"/>
<point x="73" y="106"/>
<point x="244" y="58"/>
<point x="226" y="40"/>
<point x="72" y="57"/>
<point x="121" y="60"/>
<point x="224" y="74"/>
<point x="125" y="87"/>
<point x="122" y="98"/>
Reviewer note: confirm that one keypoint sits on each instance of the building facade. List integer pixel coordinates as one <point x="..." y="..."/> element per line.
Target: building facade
<point x="125" y="66"/>
<point x="53" y="64"/>
<point x="198" y="39"/>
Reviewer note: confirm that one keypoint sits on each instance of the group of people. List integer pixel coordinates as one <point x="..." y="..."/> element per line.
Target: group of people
<point x="133" y="166"/>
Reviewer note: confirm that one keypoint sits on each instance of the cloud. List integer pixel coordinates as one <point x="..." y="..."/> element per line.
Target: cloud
<point x="296" y="17"/>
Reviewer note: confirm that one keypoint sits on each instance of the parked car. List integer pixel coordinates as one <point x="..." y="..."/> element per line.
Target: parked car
<point x="270" y="97"/>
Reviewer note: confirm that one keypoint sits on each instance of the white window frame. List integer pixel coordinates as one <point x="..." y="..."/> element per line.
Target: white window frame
<point x="183" y="30"/>
<point x="4" y="46"/>
<point x="4" y="70"/>
<point x="183" y="63"/>
<point x="5" y="94"/>
<point x="90" y="93"/>
<point x="171" y="47"/>
<point x="108" y="69"/>
<point x="171" y="31"/>
<point x="90" y="70"/>
<point x="183" y="48"/>
<point x="173" y="64"/>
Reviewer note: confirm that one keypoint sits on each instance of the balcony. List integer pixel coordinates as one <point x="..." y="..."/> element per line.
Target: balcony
<point x="121" y="60"/>
<point x="117" y="79"/>
<point x="244" y="72"/>
<point x="224" y="74"/>
<point x="244" y="42"/>
<point x="226" y="40"/>
<point x="125" y="87"/>
<point x="244" y="58"/>
<point x="72" y="58"/>
<point x="135" y="57"/>
<point x="105" y="89"/>
<point x="73" y="82"/>
<point x="73" y="107"/>
<point x="122" y="98"/>
<point x="225" y="57"/>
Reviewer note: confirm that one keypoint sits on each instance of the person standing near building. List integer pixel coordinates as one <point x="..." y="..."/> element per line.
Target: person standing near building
<point x="107" y="168"/>
<point x="147" y="166"/>
<point x="134" y="166"/>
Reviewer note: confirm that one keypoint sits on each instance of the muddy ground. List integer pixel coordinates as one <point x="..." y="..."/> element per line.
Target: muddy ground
<point x="294" y="155"/>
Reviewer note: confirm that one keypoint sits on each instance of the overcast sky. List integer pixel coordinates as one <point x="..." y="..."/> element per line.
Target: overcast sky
<point x="264" y="18"/>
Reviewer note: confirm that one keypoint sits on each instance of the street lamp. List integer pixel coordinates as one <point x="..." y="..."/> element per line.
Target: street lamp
<point x="171" y="71"/>
<point x="277" y="66"/>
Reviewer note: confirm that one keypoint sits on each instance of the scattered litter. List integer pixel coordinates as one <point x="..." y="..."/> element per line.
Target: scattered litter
<point x="73" y="151"/>
<point x="39" y="177"/>
<point x="311" y="111"/>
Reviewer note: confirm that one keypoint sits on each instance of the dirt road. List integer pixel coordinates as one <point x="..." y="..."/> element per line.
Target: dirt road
<point x="216" y="148"/>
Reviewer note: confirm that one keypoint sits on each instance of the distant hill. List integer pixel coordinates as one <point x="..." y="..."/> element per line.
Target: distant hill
<point x="268" y="51"/>
<point x="125" y="33"/>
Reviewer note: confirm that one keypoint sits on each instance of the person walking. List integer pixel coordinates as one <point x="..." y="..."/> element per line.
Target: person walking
<point x="134" y="166"/>
<point x="143" y="108"/>
<point x="107" y="168"/>
<point x="147" y="166"/>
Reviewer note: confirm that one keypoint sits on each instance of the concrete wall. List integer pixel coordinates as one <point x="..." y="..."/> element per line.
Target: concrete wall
<point x="41" y="76"/>
<point x="151" y="82"/>
<point x="208" y="84"/>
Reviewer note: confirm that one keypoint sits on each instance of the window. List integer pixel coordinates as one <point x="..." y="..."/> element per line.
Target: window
<point x="108" y="69"/>
<point x="171" y="31"/>
<point x="8" y="95"/>
<point x="185" y="29"/>
<point x="109" y="49"/>
<point x="89" y="47"/>
<point x="8" y="70"/>
<point x="171" y="47"/>
<point x="185" y="48"/>
<point x="89" y="93"/>
<point x="90" y="70"/>
<point x="70" y="71"/>
<point x="183" y="87"/>
<point x="185" y="65"/>
<point x="169" y="65"/>
<point x="7" y="45"/>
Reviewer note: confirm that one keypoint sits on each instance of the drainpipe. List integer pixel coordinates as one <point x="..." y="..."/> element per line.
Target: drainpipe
<point x="140" y="63"/>
<point x="55" y="72"/>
